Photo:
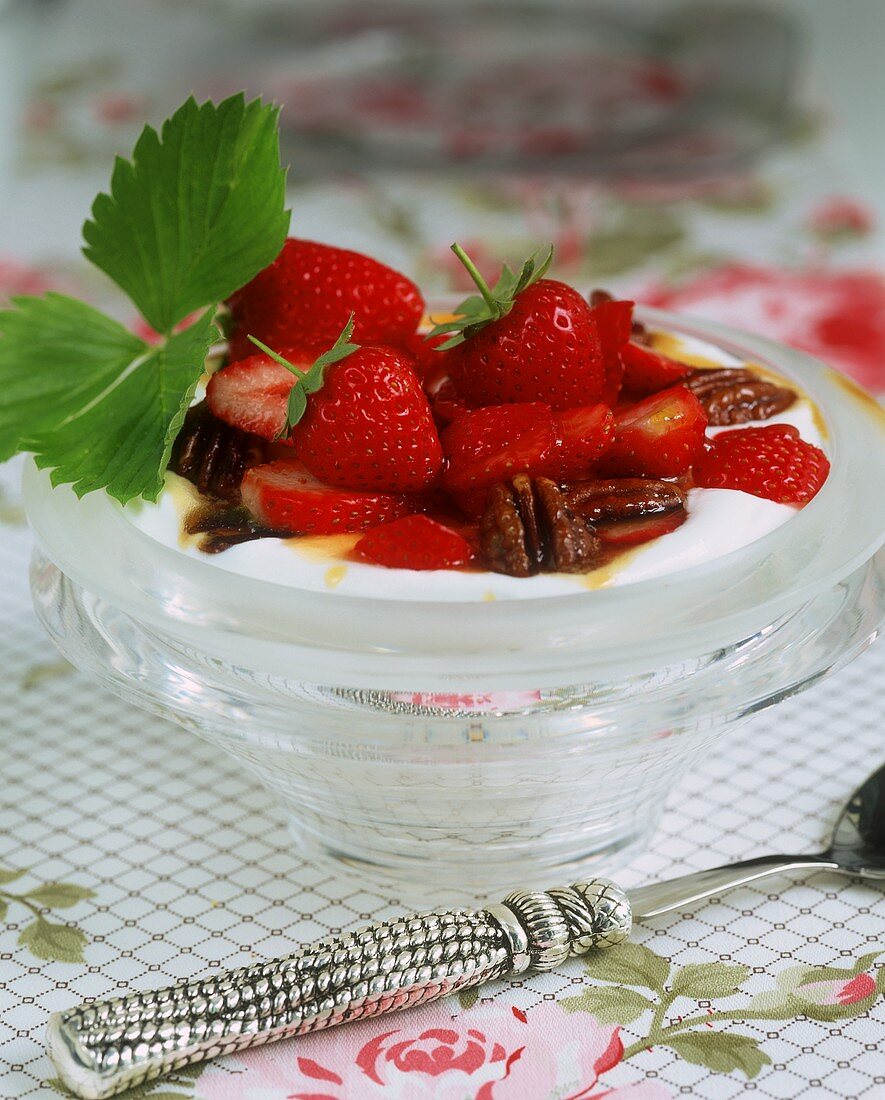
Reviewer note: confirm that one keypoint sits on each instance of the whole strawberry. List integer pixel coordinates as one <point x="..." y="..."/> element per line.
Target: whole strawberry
<point x="359" y="419"/>
<point x="771" y="462"/>
<point x="526" y="339"/>
<point x="305" y="296"/>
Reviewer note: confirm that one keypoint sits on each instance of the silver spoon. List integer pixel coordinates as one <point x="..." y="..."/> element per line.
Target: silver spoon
<point x="857" y="848"/>
<point x="101" y="1049"/>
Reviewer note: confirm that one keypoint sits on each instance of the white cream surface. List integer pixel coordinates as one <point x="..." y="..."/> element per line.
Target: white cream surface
<point x="720" y="521"/>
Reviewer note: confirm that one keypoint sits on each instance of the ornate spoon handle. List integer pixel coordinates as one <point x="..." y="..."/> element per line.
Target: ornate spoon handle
<point x="103" y="1048"/>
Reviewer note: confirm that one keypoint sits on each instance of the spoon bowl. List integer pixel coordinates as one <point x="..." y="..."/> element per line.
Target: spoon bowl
<point x="857" y="848"/>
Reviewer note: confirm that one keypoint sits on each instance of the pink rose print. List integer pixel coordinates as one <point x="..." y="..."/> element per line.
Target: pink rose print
<point x="838" y="316"/>
<point x="837" y="991"/>
<point x="487" y="1053"/>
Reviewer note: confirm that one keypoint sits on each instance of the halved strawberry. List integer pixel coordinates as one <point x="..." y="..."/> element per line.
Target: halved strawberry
<point x="251" y="394"/>
<point x="660" y="436"/>
<point x="447" y="406"/>
<point x="647" y="371"/>
<point x="489" y="445"/>
<point x="282" y="495"/>
<point x="633" y="532"/>
<point x="613" y="320"/>
<point x="414" y="542"/>
<point x="771" y="462"/>
<point x="582" y="435"/>
<point x="471" y="502"/>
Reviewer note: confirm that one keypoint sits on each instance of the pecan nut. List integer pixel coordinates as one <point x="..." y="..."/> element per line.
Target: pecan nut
<point x="737" y="395"/>
<point x="604" y="500"/>
<point x="213" y="455"/>
<point x="218" y="526"/>
<point x="528" y="528"/>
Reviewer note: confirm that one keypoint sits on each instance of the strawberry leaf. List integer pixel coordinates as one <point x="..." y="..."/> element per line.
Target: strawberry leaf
<point x="95" y="404"/>
<point x="492" y="303"/>
<point x="197" y="211"/>
<point x="311" y="380"/>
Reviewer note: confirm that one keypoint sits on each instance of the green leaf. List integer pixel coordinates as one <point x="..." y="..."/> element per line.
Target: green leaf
<point x="59" y="895"/>
<point x="492" y="303"/>
<point x="7" y="874"/>
<point x="53" y="942"/>
<point x="4" y="909"/>
<point x="708" y="981"/>
<point x="197" y="211"/>
<point x="629" y="964"/>
<point x="95" y="404"/>
<point x="720" y="1052"/>
<point x="467" y="998"/>
<point x="610" y="1004"/>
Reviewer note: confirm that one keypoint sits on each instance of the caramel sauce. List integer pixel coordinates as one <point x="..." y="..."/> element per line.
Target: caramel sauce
<point x="864" y="398"/>
<point x="324" y="547"/>
<point x="334" y="575"/>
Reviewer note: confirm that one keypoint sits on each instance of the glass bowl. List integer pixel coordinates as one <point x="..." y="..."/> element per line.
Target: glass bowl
<point x="450" y="750"/>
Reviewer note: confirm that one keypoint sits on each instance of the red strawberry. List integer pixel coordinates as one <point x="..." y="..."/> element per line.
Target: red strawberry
<point x="306" y="295"/>
<point x="358" y="417"/>
<point x="614" y="321"/>
<point x="471" y="502"/>
<point x="282" y="495"/>
<point x="771" y="462"/>
<point x="582" y="435"/>
<point x="660" y="436"/>
<point x="414" y="542"/>
<point x="488" y="445"/>
<point x="527" y="339"/>
<point x="370" y="426"/>
<point x="252" y="393"/>
<point x="422" y="349"/>
<point x="446" y="404"/>
<point x="633" y="532"/>
<point x="647" y="371"/>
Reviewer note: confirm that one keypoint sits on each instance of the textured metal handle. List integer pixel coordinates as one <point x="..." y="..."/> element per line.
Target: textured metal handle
<point x="101" y="1049"/>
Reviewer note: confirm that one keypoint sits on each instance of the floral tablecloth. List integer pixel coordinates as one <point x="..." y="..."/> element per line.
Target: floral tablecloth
<point x="131" y="855"/>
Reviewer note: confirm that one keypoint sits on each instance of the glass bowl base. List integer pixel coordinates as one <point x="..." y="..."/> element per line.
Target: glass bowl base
<point x="409" y="883"/>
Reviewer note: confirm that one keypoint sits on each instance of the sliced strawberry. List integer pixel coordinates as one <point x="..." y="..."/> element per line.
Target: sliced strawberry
<point x="414" y="542"/>
<point x="472" y="502"/>
<point x="251" y="394"/>
<point x="282" y="495"/>
<point x="633" y="532"/>
<point x="647" y="371"/>
<point x="489" y="445"/>
<point x="447" y="406"/>
<point x="771" y="462"/>
<point x="660" y="436"/>
<point x="613" y="321"/>
<point x="582" y="435"/>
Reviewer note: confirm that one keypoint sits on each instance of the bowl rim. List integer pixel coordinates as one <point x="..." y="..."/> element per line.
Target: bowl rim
<point x="337" y="637"/>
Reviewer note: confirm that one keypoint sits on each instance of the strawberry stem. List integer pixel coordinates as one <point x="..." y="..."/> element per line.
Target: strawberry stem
<point x="481" y="285"/>
<point x="311" y="380"/>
